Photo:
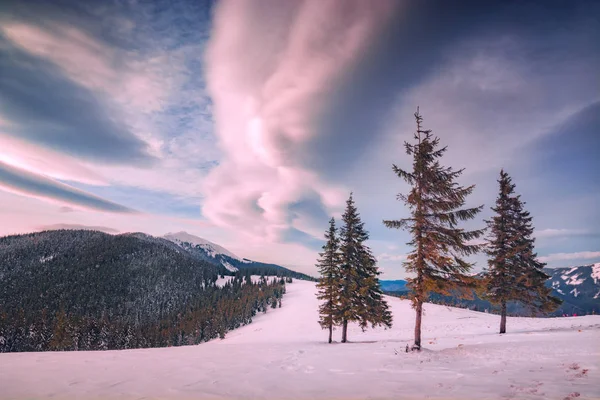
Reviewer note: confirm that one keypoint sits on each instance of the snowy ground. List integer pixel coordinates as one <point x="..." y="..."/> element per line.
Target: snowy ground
<point x="254" y="278"/>
<point x="283" y="355"/>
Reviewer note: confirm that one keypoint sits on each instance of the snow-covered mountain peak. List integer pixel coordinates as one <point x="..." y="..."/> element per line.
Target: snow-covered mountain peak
<point x="578" y="286"/>
<point x="212" y="249"/>
<point x="213" y="253"/>
<point x="596" y="272"/>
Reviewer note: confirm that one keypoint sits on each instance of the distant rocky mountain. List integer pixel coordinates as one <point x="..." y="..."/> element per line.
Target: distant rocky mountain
<point x="578" y="287"/>
<point x="393" y="286"/>
<point x="206" y="250"/>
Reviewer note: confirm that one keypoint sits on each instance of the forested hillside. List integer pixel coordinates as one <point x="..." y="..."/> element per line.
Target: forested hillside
<point x="75" y="289"/>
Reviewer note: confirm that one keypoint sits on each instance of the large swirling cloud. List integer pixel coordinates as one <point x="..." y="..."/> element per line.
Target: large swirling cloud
<point x="271" y="68"/>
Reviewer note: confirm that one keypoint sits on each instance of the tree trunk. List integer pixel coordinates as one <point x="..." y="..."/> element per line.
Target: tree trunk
<point x="503" y="318"/>
<point x="330" y="332"/>
<point x="345" y="331"/>
<point x="419" y="312"/>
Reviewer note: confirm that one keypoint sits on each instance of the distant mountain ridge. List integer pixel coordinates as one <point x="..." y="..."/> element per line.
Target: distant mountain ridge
<point x="211" y="249"/>
<point x="393" y="286"/>
<point x="208" y="251"/>
<point x="578" y="287"/>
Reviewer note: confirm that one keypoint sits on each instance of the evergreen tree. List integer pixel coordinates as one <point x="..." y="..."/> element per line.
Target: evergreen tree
<point x="328" y="285"/>
<point x="436" y="204"/>
<point x="514" y="273"/>
<point x="60" y="336"/>
<point x="361" y="298"/>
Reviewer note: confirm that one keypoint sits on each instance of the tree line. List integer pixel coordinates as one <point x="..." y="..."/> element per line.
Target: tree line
<point x="349" y="288"/>
<point x="212" y="313"/>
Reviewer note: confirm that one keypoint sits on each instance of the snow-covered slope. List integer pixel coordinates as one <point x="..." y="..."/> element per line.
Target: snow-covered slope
<point x="212" y="249"/>
<point x="283" y="355"/>
<point x="205" y="249"/>
<point x="212" y="252"/>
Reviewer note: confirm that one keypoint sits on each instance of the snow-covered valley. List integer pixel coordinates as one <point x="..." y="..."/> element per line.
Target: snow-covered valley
<point x="283" y="354"/>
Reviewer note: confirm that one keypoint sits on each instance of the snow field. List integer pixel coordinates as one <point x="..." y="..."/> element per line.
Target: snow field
<point x="283" y="354"/>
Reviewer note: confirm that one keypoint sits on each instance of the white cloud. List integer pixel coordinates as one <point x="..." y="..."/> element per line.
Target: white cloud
<point x="551" y="233"/>
<point x="270" y="69"/>
<point x="581" y="255"/>
<point x="391" y="257"/>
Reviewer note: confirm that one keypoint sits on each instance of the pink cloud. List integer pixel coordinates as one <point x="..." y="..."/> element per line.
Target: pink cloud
<point x="270" y="67"/>
<point x="93" y="64"/>
<point x="33" y="158"/>
<point x="27" y="214"/>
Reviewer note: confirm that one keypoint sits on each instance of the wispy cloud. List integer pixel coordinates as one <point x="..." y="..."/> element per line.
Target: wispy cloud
<point x="37" y="159"/>
<point x="562" y="233"/>
<point x="93" y="64"/>
<point x="486" y="74"/>
<point x="123" y="94"/>
<point x="581" y="255"/>
<point x="67" y="118"/>
<point x="391" y="257"/>
<point x="23" y="182"/>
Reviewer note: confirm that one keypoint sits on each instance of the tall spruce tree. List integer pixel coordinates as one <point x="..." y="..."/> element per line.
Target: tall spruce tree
<point x="436" y="204"/>
<point x="329" y="285"/>
<point x="514" y="273"/>
<point x="361" y="298"/>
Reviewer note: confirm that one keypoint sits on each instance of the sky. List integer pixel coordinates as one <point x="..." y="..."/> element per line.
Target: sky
<point x="249" y="123"/>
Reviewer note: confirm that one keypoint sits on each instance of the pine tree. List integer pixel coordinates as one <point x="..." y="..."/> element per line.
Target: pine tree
<point x="361" y="298"/>
<point x="60" y="336"/>
<point x="514" y="273"/>
<point x="436" y="204"/>
<point x="328" y="285"/>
